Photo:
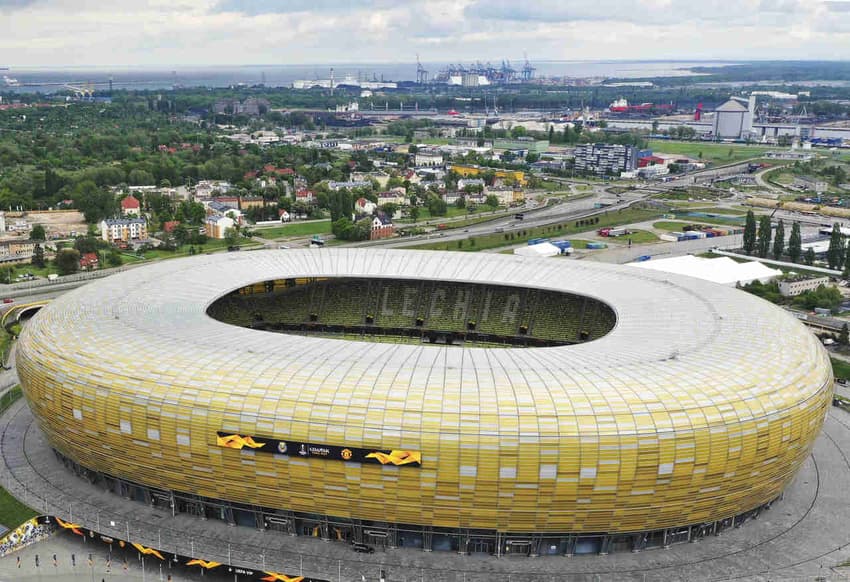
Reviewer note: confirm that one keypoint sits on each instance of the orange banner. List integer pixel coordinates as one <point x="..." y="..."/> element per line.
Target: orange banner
<point x="203" y="564"/>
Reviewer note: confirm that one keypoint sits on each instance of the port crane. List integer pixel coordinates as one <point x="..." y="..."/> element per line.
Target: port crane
<point x="527" y="69"/>
<point x="421" y="72"/>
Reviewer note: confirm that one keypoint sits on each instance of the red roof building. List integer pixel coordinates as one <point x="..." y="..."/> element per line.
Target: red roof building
<point x="89" y="261"/>
<point x="131" y="205"/>
<point x="170" y="225"/>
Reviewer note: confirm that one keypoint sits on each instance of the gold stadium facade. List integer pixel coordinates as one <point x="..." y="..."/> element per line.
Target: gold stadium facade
<point x="690" y="410"/>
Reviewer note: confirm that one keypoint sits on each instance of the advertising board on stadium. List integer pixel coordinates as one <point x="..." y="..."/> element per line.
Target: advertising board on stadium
<point x="397" y="458"/>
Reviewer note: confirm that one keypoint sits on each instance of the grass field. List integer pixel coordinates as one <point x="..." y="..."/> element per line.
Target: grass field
<point x="637" y="237"/>
<point x="496" y="240"/>
<point x="717" y="221"/>
<point x="717" y="153"/>
<point x="212" y="245"/>
<point x="12" y="512"/>
<point x="295" y="229"/>
<point x="840" y="368"/>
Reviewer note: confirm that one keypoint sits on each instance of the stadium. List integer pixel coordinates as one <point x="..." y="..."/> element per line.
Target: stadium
<point x="440" y="401"/>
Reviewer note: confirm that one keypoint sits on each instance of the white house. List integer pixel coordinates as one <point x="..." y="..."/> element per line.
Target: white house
<point x="364" y="206"/>
<point x="215" y="226"/>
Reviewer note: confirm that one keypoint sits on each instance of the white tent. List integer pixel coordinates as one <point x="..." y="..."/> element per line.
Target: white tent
<point x="723" y="270"/>
<point x="544" y="249"/>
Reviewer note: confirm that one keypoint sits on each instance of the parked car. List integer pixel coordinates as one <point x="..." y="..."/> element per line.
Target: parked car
<point x="363" y="548"/>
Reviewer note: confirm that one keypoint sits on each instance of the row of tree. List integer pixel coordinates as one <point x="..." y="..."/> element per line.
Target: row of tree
<point x="758" y="236"/>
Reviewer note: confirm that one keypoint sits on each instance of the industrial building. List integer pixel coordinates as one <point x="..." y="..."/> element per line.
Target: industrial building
<point x="605" y="159"/>
<point x="734" y="118"/>
<point x="665" y="408"/>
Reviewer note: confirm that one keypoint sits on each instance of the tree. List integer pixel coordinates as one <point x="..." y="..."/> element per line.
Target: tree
<point x="231" y="236"/>
<point x="460" y="202"/>
<point x="809" y="257"/>
<point x="847" y="261"/>
<point x="795" y="243"/>
<point x="835" y="252"/>
<point x="38" y="233"/>
<point x="779" y="240"/>
<point x="764" y="234"/>
<point x="390" y="208"/>
<point x="844" y="336"/>
<point x="86" y="244"/>
<point x="181" y="234"/>
<point x="94" y="203"/>
<point x="750" y="233"/>
<point x="38" y="256"/>
<point x="436" y="206"/>
<point x="492" y="201"/>
<point x="68" y="261"/>
<point x="113" y="258"/>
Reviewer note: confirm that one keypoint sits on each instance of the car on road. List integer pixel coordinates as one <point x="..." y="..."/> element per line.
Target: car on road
<point x="8" y="300"/>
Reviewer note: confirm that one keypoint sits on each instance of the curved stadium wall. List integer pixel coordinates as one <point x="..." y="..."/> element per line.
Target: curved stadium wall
<point x="698" y="405"/>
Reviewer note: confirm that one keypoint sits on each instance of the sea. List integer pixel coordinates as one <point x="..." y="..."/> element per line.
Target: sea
<point x="50" y="80"/>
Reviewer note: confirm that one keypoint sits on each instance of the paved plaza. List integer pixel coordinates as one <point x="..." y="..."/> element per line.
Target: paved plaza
<point x="804" y="536"/>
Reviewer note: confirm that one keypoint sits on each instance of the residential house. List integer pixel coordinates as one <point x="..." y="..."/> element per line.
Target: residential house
<point x="364" y="206"/>
<point x="89" y="262"/>
<point x="382" y="178"/>
<point x="427" y="158"/>
<point x="130" y="206"/>
<point x="123" y="229"/>
<point x="216" y="226"/>
<point x="382" y="227"/>
<point x="351" y="184"/>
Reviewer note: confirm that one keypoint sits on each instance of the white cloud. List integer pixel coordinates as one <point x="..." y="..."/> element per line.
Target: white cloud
<point x="197" y="32"/>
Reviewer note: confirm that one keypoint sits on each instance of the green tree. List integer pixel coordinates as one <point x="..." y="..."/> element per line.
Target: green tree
<point x="795" y="243"/>
<point x="835" y="252"/>
<point x="86" y="244"/>
<point x="231" y="237"/>
<point x="181" y="234"/>
<point x="809" y="257"/>
<point x="844" y="336"/>
<point x="68" y="261"/>
<point x="779" y="240"/>
<point x="436" y="206"/>
<point x="764" y="234"/>
<point x="94" y="203"/>
<point x="492" y="201"/>
<point x="113" y="258"/>
<point x="390" y="208"/>
<point x="460" y="202"/>
<point x="750" y="233"/>
<point x="38" y="233"/>
<point x="38" y="256"/>
<point x="847" y="261"/>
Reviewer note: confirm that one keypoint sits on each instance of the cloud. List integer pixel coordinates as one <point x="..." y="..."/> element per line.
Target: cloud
<point x="15" y="4"/>
<point x="166" y="33"/>
<point x="257" y="7"/>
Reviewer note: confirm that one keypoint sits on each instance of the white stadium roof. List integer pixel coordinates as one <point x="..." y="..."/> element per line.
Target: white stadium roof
<point x="680" y="345"/>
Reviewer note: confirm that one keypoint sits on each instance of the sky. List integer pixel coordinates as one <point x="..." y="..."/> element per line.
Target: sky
<point x="234" y="32"/>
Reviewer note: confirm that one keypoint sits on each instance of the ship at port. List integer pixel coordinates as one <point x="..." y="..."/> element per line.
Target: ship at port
<point x="346" y="81"/>
<point x="10" y="82"/>
<point x="623" y="106"/>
